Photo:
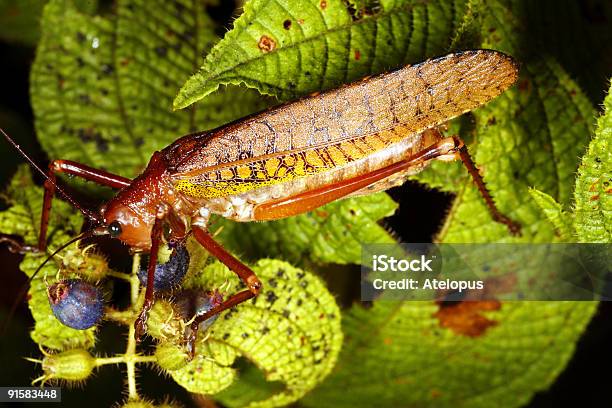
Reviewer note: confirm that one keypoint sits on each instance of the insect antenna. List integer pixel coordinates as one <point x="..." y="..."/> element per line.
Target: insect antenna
<point x="69" y="198"/>
<point x="21" y="295"/>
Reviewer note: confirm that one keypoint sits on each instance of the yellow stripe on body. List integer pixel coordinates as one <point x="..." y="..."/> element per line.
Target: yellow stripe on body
<point x="257" y="173"/>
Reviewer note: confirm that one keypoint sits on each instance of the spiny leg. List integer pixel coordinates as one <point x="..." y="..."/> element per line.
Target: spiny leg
<point x="513" y="226"/>
<point x="246" y="275"/>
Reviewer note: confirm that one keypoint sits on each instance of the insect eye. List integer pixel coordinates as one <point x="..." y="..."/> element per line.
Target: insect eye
<point x="114" y="229"/>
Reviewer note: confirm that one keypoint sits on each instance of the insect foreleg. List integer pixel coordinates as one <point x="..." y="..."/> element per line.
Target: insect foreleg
<point x="75" y="169"/>
<point x="141" y="322"/>
<point x="246" y="275"/>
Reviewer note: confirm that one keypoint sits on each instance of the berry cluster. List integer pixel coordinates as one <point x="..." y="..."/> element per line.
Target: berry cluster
<point x="80" y="305"/>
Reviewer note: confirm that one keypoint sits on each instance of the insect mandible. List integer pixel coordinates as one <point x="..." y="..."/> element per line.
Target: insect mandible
<point x="358" y="139"/>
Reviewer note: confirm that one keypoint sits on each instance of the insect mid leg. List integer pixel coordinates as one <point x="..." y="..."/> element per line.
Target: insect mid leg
<point x="246" y="275"/>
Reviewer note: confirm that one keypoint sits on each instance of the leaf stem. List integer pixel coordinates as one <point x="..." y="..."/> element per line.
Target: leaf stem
<point x="131" y="365"/>
<point x="134" y="282"/>
<point x="124" y="317"/>
<point x="125" y="359"/>
<point x="130" y="356"/>
<point x="120" y="275"/>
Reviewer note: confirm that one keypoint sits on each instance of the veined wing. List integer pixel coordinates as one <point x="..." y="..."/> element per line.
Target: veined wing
<point x="322" y="132"/>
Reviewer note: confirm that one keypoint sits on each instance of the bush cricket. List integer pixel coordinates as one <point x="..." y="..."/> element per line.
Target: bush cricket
<point x="358" y="139"/>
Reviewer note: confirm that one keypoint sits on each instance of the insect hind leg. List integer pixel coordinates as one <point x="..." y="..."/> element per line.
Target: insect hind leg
<point x="461" y="153"/>
<point x="457" y="150"/>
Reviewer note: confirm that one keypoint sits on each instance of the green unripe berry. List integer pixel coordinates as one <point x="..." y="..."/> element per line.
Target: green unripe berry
<point x="71" y="365"/>
<point x="164" y="322"/>
<point x="86" y="263"/>
<point x="170" y="356"/>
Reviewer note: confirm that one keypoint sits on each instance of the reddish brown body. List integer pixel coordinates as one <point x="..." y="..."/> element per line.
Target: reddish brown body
<point x="243" y="170"/>
<point x="360" y="138"/>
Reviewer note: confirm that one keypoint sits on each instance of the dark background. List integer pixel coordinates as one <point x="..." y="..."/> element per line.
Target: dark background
<point x="584" y="382"/>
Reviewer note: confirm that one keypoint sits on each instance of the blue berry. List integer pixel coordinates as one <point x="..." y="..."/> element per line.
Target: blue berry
<point x="76" y="303"/>
<point x="168" y="275"/>
<point x="191" y="302"/>
<point x="204" y="302"/>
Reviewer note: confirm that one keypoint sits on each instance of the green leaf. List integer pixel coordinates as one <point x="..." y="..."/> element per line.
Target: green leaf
<point x="288" y="49"/>
<point x="102" y="87"/>
<point x="210" y="371"/>
<point x="593" y="203"/>
<point x="468" y="32"/>
<point x="592" y="216"/>
<point x="252" y="387"/>
<point x="331" y="234"/>
<point x="473" y="354"/>
<point x="21" y="131"/>
<point x="19" y="20"/>
<point x="590" y="39"/>
<point x="291" y="332"/>
<point x="23" y="218"/>
<point x="561" y="220"/>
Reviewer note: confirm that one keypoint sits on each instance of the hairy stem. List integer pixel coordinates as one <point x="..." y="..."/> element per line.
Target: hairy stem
<point x="130" y="353"/>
